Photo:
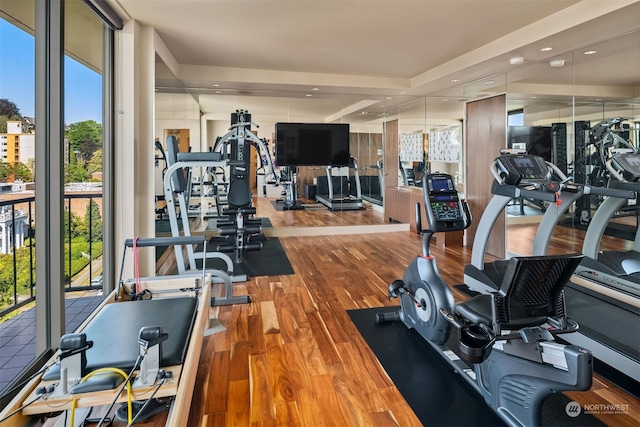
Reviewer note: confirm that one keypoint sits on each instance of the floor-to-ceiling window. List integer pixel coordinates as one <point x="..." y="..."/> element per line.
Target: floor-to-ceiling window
<point x="82" y="159"/>
<point x="55" y="125"/>
<point x="17" y="148"/>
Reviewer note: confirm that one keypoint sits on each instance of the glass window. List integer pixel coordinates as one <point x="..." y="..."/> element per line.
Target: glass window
<point x="83" y="103"/>
<point x="82" y="143"/>
<point x="17" y="252"/>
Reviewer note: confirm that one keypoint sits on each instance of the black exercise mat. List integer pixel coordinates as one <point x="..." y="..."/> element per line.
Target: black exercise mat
<point x="271" y="260"/>
<point x="279" y="206"/>
<point x="438" y="395"/>
<point x="620" y="231"/>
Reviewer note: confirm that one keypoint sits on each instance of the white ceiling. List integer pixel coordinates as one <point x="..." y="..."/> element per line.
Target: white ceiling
<point x="359" y="55"/>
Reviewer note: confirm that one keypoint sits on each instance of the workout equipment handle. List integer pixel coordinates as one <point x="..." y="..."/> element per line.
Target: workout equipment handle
<point x="611" y="192"/>
<point x="165" y="241"/>
<point x="537" y="195"/>
<point x="514" y="192"/>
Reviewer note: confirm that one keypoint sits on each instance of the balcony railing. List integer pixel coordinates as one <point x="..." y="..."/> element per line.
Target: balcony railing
<point x="83" y="235"/>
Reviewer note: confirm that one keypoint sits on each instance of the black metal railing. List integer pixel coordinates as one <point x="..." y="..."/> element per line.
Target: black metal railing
<point x="17" y="248"/>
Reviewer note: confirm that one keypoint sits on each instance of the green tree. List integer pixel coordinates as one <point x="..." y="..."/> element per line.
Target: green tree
<point x="8" y="108"/>
<point x="73" y="226"/>
<point x="75" y="172"/>
<point x="8" y="111"/>
<point x="84" y="138"/>
<point x="10" y="172"/>
<point x="92" y="216"/>
<point x="95" y="163"/>
<point x="23" y="275"/>
<point x="19" y="171"/>
<point x="3" y="124"/>
<point x="6" y="282"/>
<point x="3" y="171"/>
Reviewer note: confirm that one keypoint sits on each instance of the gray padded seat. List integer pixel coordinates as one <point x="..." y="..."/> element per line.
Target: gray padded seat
<point x="532" y="290"/>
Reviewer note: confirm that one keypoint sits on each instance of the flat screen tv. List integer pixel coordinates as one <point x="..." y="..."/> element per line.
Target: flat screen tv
<point x="312" y="144"/>
<point x="535" y="139"/>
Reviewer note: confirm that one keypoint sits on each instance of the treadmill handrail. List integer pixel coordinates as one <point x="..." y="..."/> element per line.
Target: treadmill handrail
<point x="611" y="192"/>
<point x="555" y="212"/>
<point x="514" y="191"/>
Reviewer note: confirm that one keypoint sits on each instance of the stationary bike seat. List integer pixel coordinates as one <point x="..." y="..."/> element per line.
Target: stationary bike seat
<point x="476" y="310"/>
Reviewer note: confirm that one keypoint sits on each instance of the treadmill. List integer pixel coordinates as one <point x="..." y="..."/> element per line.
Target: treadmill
<point x="524" y="175"/>
<point x="619" y="270"/>
<point x="336" y="194"/>
<point x="604" y="292"/>
<point x="609" y="320"/>
<point x="517" y="175"/>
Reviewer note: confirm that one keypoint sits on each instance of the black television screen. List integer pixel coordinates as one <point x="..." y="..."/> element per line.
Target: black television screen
<point x="535" y="139"/>
<point x="312" y="144"/>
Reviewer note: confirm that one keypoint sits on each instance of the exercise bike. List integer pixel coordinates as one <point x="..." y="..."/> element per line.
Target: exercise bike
<point x="505" y="345"/>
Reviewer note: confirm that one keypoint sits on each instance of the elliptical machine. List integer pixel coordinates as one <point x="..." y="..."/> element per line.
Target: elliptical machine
<point x="505" y="345"/>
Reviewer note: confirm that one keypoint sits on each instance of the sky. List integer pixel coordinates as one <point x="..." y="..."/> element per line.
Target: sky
<point x="83" y="86"/>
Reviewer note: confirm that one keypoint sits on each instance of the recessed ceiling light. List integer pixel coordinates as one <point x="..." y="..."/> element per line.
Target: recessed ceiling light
<point x="516" y="60"/>
<point x="445" y="99"/>
<point x="218" y="91"/>
<point x="402" y="92"/>
<point x="489" y="82"/>
<point x="557" y="63"/>
<point x="309" y="94"/>
<point x="315" y="88"/>
<point x="388" y="97"/>
<point x="546" y="49"/>
<point x="216" y="85"/>
<point x="533" y="97"/>
<point x="590" y="52"/>
<point x="455" y="80"/>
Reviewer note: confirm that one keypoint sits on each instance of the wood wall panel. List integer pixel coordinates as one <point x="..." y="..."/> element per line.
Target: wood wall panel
<point x="364" y="147"/>
<point x="396" y="203"/>
<point x="390" y="135"/>
<point x="307" y="175"/>
<point x="486" y="135"/>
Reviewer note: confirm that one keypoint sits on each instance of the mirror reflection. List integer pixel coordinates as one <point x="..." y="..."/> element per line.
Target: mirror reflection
<point x="552" y="106"/>
<point x="561" y="109"/>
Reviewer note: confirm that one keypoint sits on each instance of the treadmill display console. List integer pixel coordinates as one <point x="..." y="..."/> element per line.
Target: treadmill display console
<point x="629" y="164"/>
<point x="443" y="198"/>
<point x="515" y="168"/>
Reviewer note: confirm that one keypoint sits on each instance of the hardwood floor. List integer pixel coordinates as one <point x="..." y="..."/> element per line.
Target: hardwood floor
<point x="292" y="357"/>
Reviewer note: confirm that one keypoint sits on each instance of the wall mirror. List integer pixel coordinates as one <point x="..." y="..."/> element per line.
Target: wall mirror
<point x="177" y="113"/>
<point x="553" y="107"/>
<point x="591" y="85"/>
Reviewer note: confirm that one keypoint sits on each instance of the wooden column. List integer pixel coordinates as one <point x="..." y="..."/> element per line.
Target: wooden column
<point x="486" y="135"/>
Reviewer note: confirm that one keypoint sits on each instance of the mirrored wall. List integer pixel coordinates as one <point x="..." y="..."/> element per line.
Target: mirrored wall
<point x="559" y="107"/>
<point x="556" y="100"/>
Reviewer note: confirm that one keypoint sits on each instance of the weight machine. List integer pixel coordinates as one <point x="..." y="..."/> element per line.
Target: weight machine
<point x="241" y="231"/>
